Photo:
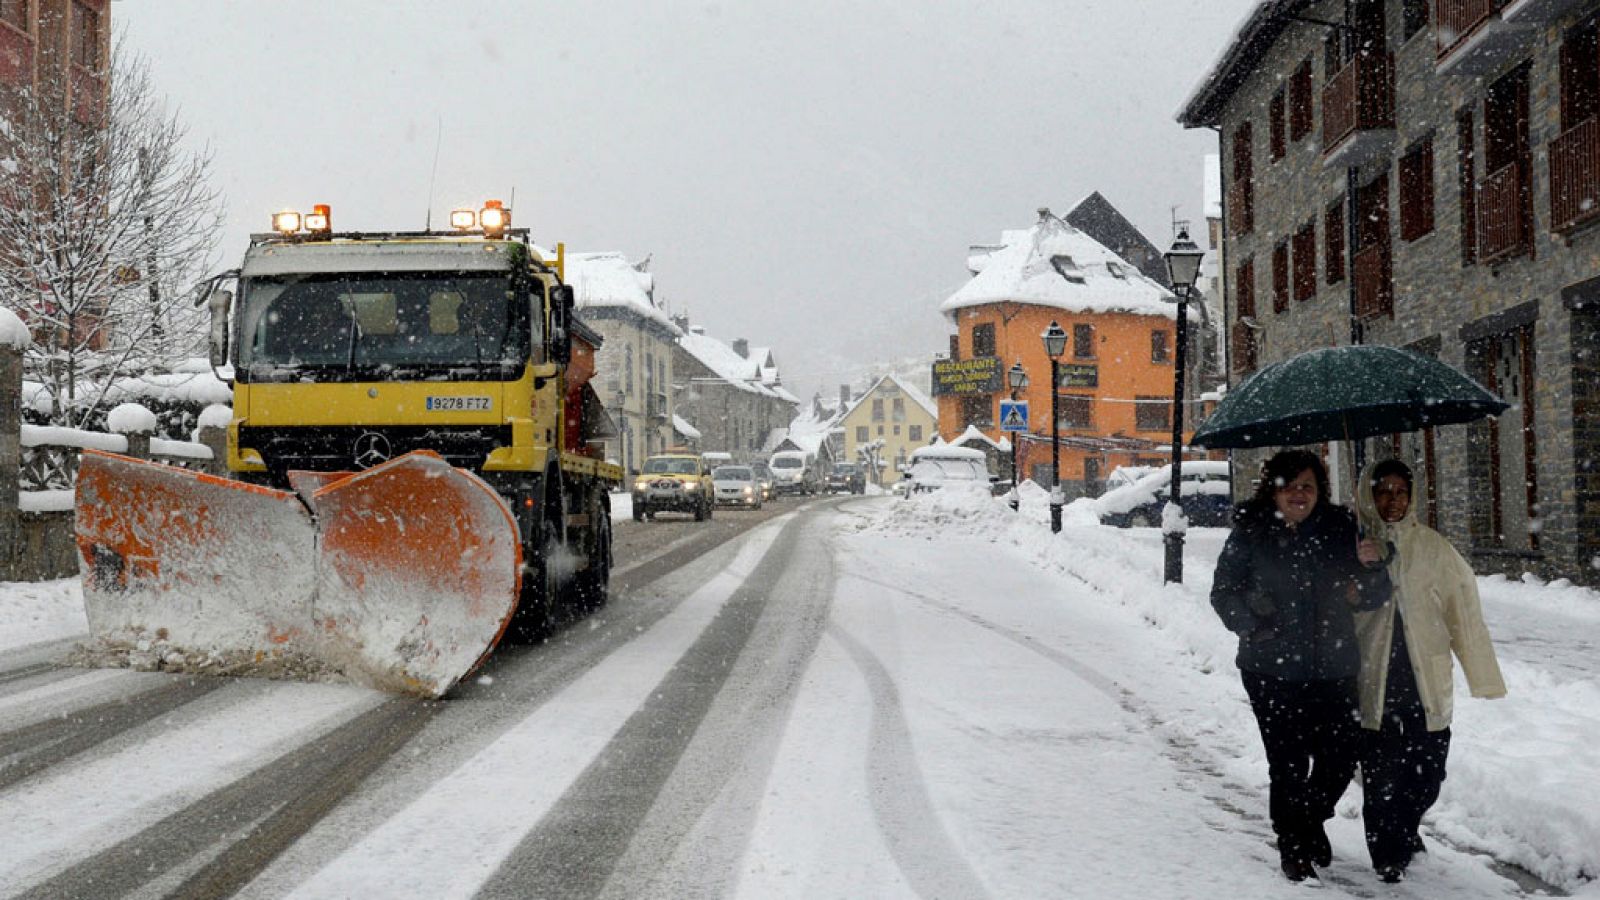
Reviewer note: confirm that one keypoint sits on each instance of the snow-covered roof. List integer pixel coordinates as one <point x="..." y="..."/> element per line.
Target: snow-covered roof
<point x="917" y="396"/>
<point x="684" y="428"/>
<point x="727" y="364"/>
<point x="973" y="434"/>
<point x="1054" y="264"/>
<point x="609" y="280"/>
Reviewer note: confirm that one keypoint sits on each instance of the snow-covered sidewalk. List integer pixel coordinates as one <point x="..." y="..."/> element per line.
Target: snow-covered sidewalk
<point x="1522" y="769"/>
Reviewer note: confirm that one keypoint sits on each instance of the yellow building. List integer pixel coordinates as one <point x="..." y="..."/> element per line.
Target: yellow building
<point x="893" y="412"/>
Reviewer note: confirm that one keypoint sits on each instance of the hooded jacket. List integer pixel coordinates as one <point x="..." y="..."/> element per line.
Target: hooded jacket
<point x="1437" y="595"/>
<point x="1288" y="592"/>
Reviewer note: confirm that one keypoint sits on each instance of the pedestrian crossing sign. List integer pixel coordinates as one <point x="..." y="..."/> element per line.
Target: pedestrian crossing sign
<point x="1013" y="415"/>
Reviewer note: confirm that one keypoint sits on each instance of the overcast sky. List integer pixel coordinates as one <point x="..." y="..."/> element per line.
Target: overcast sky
<point x="806" y="175"/>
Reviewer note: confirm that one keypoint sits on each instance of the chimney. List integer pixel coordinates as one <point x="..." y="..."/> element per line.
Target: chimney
<point x="682" y="321"/>
<point x="844" y="396"/>
<point x="741" y="347"/>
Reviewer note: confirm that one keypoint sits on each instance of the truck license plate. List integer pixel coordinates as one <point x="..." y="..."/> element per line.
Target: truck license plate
<point x="459" y="404"/>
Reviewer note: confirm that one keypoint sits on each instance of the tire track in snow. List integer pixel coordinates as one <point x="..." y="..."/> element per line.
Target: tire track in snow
<point x="574" y="849"/>
<point x="250" y="817"/>
<point x="697" y="830"/>
<point x="907" y="819"/>
<point x="34" y="748"/>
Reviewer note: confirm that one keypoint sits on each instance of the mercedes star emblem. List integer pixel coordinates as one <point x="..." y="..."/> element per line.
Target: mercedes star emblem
<point x="372" y="448"/>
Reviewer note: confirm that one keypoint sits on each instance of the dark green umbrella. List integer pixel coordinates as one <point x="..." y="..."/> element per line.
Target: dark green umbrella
<point x="1344" y="393"/>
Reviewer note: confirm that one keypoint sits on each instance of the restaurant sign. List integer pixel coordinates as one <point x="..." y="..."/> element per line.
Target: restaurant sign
<point x="1077" y="375"/>
<point x="966" y="376"/>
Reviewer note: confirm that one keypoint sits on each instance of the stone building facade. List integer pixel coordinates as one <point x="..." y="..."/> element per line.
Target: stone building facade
<point x="634" y="365"/>
<point x="1427" y="175"/>
<point x="731" y="395"/>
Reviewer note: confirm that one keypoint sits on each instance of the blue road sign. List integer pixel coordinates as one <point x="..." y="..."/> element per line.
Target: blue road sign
<point x="1013" y="415"/>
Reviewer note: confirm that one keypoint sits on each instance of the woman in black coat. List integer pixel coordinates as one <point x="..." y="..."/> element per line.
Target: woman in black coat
<point x="1287" y="583"/>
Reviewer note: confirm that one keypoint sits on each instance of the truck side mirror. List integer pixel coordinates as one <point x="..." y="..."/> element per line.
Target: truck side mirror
<point x="219" y="301"/>
<point x="561" y="303"/>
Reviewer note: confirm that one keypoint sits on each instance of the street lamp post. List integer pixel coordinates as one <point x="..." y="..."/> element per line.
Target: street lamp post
<point x="1018" y="377"/>
<point x="1055" y="343"/>
<point x="1183" y="267"/>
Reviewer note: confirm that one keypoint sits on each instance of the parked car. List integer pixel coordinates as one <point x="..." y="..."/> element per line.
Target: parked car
<point x="1207" y="497"/>
<point x="940" y="466"/>
<point x="1122" y="476"/>
<point x="673" y="482"/>
<point x="794" y="472"/>
<point x="763" y="474"/>
<point x="847" y="478"/>
<point x="736" y="486"/>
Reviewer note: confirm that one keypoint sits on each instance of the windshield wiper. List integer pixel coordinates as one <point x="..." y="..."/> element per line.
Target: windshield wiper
<point x="355" y="338"/>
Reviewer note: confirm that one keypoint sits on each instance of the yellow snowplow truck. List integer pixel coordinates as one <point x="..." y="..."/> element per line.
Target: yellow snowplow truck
<point x="414" y="460"/>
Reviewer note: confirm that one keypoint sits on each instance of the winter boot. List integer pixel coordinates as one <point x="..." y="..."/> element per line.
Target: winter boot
<point x="1296" y="868"/>
<point x="1318" y="848"/>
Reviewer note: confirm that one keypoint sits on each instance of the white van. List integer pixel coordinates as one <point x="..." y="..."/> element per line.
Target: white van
<point x="793" y="472"/>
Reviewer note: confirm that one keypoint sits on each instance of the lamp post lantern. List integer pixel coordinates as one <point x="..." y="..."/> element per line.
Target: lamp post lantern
<point x="1055" y="343"/>
<point x="1018" y="378"/>
<point x="1183" y="268"/>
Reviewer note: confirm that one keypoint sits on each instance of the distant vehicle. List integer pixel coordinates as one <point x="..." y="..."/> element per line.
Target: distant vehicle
<point x="794" y="472"/>
<point x="736" y="486"/>
<point x="1207" y="497"/>
<point x="941" y="466"/>
<point x="673" y="482"/>
<point x="764" y="478"/>
<point x="716" y="458"/>
<point x="847" y="478"/>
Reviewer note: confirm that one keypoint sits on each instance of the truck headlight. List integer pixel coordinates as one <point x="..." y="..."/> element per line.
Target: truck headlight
<point x="691" y="486"/>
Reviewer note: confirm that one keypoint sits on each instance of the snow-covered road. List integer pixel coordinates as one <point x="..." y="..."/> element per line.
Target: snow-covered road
<point x="869" y="697"/>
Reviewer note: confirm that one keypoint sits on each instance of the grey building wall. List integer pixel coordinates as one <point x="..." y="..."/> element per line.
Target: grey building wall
<point x="633" y="376"/>
<point x="730" y="417"/>
<point x="1442" y="304"/>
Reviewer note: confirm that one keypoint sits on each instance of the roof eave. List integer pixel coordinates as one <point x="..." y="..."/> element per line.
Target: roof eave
<point x="1203" y="109"/>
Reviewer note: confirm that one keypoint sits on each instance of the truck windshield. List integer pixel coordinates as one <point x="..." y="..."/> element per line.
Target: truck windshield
<point x="460" y="325"/>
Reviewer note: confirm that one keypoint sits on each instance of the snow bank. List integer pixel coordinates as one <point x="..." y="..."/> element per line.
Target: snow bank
<point x="32" y="612"/>
<point x="1522" y="769"/>
<point x="13" y="333"/>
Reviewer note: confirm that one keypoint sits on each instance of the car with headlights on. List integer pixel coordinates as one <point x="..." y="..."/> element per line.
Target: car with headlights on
<point x="763" y="474"/>
<point x="736" y="486"/>
<point x="673" y="482"/>
<point x="847" y="478"/>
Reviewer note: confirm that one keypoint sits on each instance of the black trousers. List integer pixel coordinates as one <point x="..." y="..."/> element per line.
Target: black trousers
<point x="1312" y="734"/>
<point x="1402" y="769"/>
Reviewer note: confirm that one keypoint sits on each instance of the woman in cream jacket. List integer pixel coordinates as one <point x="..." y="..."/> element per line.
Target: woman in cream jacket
<point x="1406" y="681"/>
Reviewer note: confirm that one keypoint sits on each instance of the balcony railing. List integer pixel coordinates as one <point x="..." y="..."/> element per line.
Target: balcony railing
<point x="1359" y="97"/>
<point x="1503" y="230"/>
<point x="1374" y="282"/>
<point x="1241" y="207"/>
<point x="1575" y="176"/>
<point x="1460" y="19"/>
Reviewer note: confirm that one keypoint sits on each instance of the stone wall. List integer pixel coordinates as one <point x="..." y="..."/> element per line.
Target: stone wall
<point x="1438" y="297"/>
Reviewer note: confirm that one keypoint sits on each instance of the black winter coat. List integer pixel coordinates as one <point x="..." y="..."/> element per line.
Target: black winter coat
<point x="1289" y="593"/>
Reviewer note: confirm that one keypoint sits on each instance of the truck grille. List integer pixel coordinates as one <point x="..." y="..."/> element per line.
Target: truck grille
<point x="344" y="448"/>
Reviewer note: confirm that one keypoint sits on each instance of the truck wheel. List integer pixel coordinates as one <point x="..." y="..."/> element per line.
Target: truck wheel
<point x="594" y="583"/>
<point x="638" y="514"/>
<point x="710" y="508"/>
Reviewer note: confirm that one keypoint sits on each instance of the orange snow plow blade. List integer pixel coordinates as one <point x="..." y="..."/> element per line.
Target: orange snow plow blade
<point x="404" y="578"/>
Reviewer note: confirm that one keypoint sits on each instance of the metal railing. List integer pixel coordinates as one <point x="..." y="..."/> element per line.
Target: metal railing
<point x="1359" y="97"/>
<point x="1459" y="19"/>
<point x="1503" y="228"/>
<point x="1575" y="176"/>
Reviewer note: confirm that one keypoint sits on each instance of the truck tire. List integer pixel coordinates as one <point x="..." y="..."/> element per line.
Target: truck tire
<point x="638" y="513"/>
<point x="593" y="585"/>
<point x="701" y="513"/>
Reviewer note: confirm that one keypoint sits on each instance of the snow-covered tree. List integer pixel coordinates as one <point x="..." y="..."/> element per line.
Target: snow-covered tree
<point x="104" y="226"/>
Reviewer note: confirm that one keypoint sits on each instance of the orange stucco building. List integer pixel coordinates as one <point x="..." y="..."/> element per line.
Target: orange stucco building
<point x="1115" y="376"/>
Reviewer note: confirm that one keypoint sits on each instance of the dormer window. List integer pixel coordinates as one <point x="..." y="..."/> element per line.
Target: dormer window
<point x="1066" y="268"/>
<point x="1116" y="271"/>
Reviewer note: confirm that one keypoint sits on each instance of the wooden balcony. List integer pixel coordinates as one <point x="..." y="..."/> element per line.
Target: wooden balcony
<point x="1575" y="176"/>
<point x="1241" y="207"/>
<point x="1459" y="20"/>
<point x="1358" y="111"/>
<point x="1503" y="227"/>
<point x="1374" y="282"/>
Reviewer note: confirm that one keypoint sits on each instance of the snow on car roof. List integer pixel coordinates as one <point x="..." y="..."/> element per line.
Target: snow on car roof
<point x="1125" y="498"/>
<point x="945" y="451"/>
